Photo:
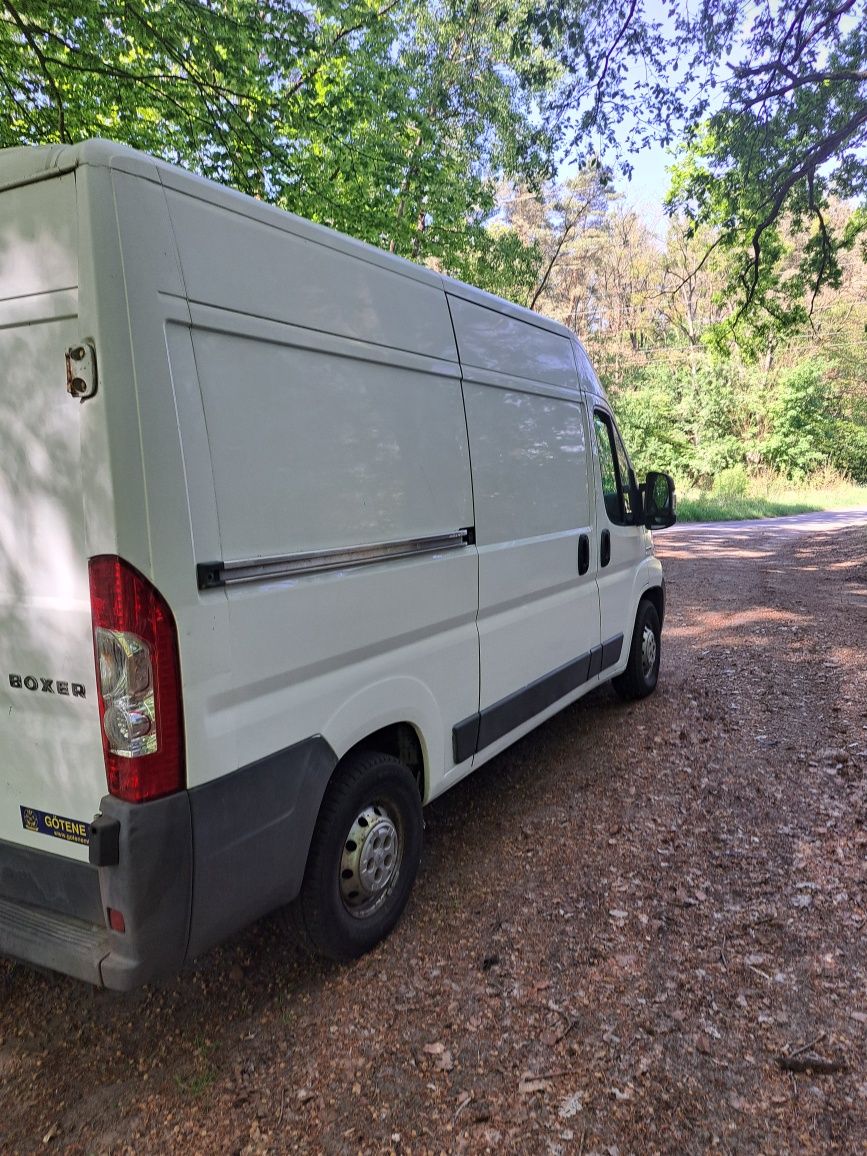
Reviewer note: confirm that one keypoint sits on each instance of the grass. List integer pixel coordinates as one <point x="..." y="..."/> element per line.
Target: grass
<point x="771" y="502"/>
<point x="200" y="1074"/>
<point x="195" y="1084"/>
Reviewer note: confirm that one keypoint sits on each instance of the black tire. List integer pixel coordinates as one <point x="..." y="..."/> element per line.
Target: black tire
<point x="640" y="676"/>
<point x="370" y="821"/>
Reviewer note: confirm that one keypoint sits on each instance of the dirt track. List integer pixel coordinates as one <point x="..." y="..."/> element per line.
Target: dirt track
<point x="619" y="926"/>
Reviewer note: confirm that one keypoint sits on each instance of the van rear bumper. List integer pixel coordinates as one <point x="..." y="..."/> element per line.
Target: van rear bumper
<point x="185" y="872"/>
<point x="50" y="912"/>
<point x="51" y="939"/>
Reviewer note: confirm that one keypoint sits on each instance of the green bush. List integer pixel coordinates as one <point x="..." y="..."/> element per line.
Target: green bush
<point x="720" y="426"/>
<point x="732" y="482"/>
<point x="714" y="407"/>
<point x="648" y="413"/>
<point x="849" y="449"/>
<point x="801" y="418"/>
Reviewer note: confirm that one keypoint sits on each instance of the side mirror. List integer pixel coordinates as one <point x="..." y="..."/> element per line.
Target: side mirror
<point x="660" y="503"/>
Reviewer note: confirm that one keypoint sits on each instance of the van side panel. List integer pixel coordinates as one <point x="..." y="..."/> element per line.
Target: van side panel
<point x="530" y="450"/>
<point x="494" y="340"/>
<point x="39" y="240"/>
<point x="266" y="266"/>
<point x="530" y="460"/>
<point x="316" y="447"/>
<point x="312" y="450"/>
<point x="320" y="441"/>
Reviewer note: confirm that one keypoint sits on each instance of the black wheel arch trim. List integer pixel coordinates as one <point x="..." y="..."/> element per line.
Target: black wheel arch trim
<point x="185" y="871"/>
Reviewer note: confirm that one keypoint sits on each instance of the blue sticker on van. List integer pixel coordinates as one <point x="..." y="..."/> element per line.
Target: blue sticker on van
<point x="57" y="826"/>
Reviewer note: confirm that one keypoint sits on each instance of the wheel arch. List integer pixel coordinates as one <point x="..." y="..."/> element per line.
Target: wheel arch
<point x="403" y="742"/>
<point x="656" y="596"/>
<point x="398" y="716"/>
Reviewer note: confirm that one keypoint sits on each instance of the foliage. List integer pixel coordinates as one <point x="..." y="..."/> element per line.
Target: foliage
<point x="562" y="223"/>
<point x="720" y="425"/>
<point x="772" y="109"/>
<point x="732" y="482"/>
<point x="687" y="421"/>
<point x="186" y="80"/>
<point x="649" y="413"/>
<point x="499" y="261"/>
<point x="848" y="450"/>
<point x="790" y="134"/>
<point x="801" y="421"/>
<point x="390" y="121"/>
<point x="649" y="310"/>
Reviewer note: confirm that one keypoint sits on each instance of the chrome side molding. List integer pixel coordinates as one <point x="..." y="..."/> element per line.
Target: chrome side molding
<point x="211" y="575"/>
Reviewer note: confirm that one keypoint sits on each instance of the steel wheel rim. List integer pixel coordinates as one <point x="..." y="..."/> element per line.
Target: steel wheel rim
<point x="370" y="860"/>
<point x="648" y="652"/>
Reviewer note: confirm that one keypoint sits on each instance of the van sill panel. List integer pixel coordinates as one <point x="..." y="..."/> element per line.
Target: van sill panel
<point x="211" y="575"/>
<point x="478" y="731"/>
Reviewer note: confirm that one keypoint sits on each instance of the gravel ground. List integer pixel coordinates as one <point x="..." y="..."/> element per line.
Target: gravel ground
<point x="626" y="930"/>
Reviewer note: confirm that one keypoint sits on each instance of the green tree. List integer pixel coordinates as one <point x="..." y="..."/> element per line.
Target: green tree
<point x="390" y="120"/>
<point x="561" y="223"/>
<point x="185" y="80"/>
<point x="648" y="408"/>
<point x="789" y="135"/>
<point x="801" y="416"/>
<point x="770" y="98"/>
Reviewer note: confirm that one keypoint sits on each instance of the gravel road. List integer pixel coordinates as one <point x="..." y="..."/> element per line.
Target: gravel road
<point x="626" y="931"/>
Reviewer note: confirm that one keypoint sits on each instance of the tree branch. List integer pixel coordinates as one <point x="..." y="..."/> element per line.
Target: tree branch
<point x="610" y="53"/>
<point x="814" y="157"/>
<point x="341" y="35"/>
<point x="838" y="76"/>
<point x="825" y="240"/>
<point x="37" y="52"/>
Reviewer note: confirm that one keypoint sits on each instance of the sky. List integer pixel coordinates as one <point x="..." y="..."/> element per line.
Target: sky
<point x="648" y="184"/>
<point x="644" y="191"/>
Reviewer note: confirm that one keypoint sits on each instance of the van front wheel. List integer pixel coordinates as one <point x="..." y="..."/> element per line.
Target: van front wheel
<point x="642" y="670"/>
<point x="363" y="859"/>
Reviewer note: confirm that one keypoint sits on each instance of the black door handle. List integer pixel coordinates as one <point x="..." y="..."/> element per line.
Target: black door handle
<point x="605" y="548"/>
<point x="583" y="553"/>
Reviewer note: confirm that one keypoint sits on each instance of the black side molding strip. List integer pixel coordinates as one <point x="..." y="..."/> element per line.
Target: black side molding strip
<point x="478" y="731"/>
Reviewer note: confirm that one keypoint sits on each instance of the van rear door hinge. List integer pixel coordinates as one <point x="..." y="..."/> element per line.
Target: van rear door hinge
<point x="81" y="370"/>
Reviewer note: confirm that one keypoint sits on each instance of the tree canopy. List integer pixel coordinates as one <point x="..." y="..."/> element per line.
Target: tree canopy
<point x="395" y="120"/>
<point x="388" y="119"/>
<point x="767" y="104"/>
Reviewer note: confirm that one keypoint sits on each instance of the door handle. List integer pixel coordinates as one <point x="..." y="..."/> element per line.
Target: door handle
<point x="605" y="548"/>
<point x="583" y="553"/>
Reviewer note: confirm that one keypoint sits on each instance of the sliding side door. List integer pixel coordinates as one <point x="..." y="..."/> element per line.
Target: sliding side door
<point x="538" y="598"/>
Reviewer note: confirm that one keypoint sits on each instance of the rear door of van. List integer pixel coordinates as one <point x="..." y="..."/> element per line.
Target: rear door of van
<point x="51" y="765"/>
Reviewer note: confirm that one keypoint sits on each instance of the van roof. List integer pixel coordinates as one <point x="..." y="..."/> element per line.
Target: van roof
<point x="29" y="163"/>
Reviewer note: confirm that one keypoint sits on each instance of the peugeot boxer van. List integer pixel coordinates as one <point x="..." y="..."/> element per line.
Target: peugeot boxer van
<point x="294" y="535"/>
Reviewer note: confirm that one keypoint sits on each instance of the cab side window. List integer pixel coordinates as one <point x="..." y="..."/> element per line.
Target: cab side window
<point x="618" y="482"/>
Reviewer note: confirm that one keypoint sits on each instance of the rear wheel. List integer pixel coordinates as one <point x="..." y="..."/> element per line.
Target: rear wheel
<point x="642" y="670"/>
<point x="363" y="859"/>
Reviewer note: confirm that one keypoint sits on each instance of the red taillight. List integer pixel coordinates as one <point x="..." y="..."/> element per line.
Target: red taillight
<point x="138" y="679"/>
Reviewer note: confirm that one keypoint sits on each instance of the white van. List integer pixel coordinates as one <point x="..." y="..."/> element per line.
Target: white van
<point x="294" y="535"/>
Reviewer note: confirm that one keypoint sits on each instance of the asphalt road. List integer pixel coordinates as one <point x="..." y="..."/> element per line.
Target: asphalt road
<point x="817" y="523"/>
